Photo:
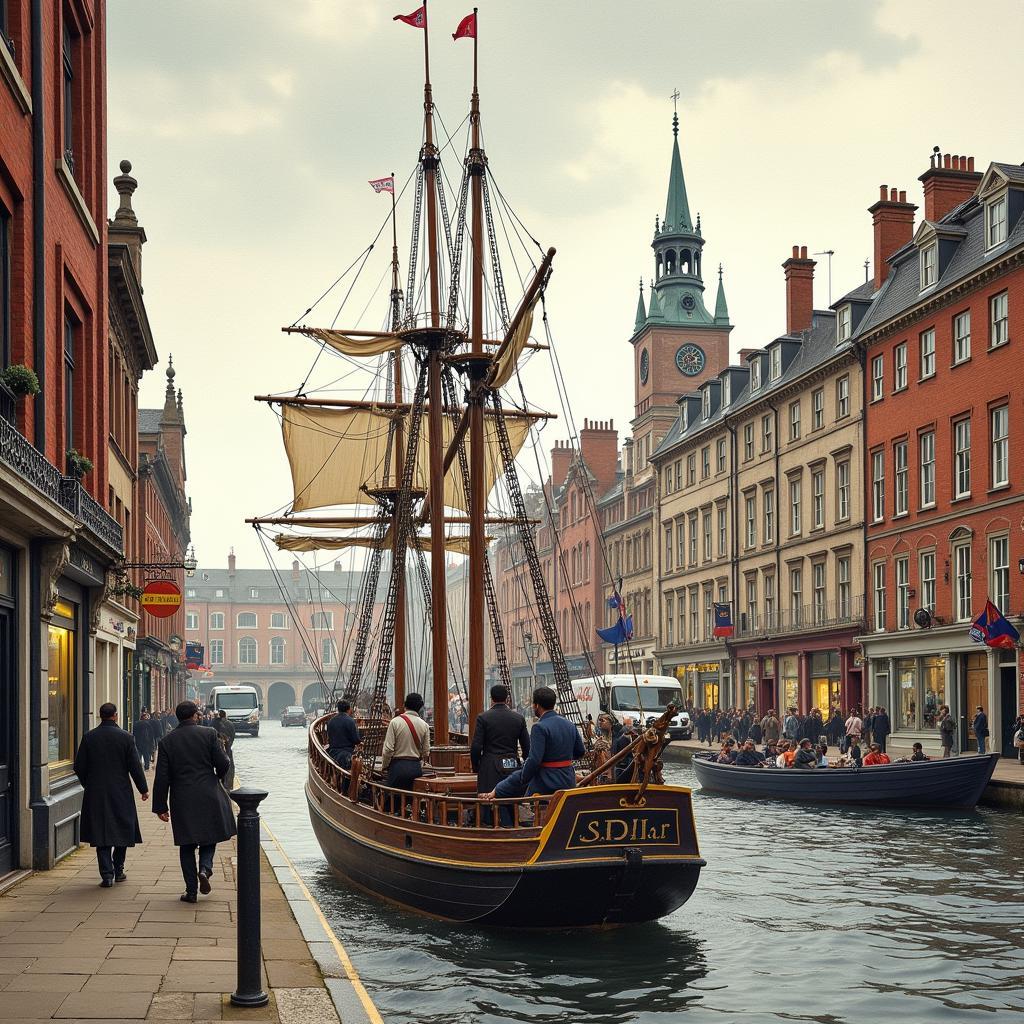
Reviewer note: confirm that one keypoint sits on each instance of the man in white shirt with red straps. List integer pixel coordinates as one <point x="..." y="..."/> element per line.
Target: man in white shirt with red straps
<point x="406" y="745"/>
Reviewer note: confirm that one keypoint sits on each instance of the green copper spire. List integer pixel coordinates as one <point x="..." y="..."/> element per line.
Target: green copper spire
<point x="677" y="209"/>
<point x="641" y="313"/>
<point x="654" y="306"/>
<point x="721" y="308"/>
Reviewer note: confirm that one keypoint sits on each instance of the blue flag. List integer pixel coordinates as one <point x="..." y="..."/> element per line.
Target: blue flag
<point x="619" y="633"/>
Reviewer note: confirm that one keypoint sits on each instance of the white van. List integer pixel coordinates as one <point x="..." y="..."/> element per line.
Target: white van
<point x="642" y="699"/>
<point x="242" y="704"/>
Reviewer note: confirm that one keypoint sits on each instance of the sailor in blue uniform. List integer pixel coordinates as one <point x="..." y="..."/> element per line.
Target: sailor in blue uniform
<point x="555" y="743"/>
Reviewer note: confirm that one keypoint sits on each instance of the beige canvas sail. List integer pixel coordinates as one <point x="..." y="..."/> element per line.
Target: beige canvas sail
<point x="370" y="345"/>
<point x="508" y="357"/>
<point x="286" y="542"/>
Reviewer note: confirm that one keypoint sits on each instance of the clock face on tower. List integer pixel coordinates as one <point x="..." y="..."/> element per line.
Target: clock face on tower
<point x="687" y="302"/>
<point x="690" y="359"/>
<point x="645" y="366"/>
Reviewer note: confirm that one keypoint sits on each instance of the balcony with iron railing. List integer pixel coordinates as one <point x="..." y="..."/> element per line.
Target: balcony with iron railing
<point x="807" y="618"/>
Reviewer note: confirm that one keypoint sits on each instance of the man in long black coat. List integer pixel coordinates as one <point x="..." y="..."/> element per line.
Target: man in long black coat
<point x="106" y="759"/>
<point x="881" y="727"/>
<point x="498" y="733"/>
<point x="187" y="791"/>
<point x="144" y="739"/>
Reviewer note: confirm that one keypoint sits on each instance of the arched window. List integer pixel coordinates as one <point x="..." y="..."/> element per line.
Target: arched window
<point x="586" y="561"/>
<point x="246" y="620"/>
<point x="247" y="651"/>
<point x="575" y="566"/>
<point x="685" y="262"/>
<point x="573" y="501"/>
<point x="277" y="650"/>
<point x="658" y="267"/>
<point x="670" y="261"/>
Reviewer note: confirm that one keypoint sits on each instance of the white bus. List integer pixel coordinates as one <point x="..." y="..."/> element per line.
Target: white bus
<point x="642" y="699"/>
<point x="242" y="705"/>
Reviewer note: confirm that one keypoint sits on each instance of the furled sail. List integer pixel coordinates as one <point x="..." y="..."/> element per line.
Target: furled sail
<point x="334" y="453"/>
<point x="288" y="542"/>
<point x="346" y="344"/>
<point x="507" y="358"/>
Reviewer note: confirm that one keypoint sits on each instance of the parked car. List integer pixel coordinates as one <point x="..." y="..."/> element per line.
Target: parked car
<point x="293" y="716"/>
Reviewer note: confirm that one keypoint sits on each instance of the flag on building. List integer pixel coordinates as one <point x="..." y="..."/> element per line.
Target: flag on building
<point x="194" y="653"/>
<point x="467" y="28"/>
<point x="993" y="630"/>
<point x="615" y="601"/>
<point x="384" y="184"/>
<point x="723" y="621"/>
<point x="418" y="18"/>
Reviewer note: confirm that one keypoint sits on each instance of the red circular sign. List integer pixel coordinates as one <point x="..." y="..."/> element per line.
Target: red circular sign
<point x="161" y="598"/>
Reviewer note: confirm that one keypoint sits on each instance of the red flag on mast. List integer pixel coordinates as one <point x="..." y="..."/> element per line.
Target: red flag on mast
<point x="383" y="184"/>
<point x="467" y="28"/>
<point x="418" y="18"/>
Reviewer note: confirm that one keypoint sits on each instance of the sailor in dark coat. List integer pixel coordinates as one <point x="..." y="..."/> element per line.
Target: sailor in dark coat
<point x="343" y="735"/>
<point x="498" y="737"/>
<point x="187" y="791"/>
<point x="106" y="759"/>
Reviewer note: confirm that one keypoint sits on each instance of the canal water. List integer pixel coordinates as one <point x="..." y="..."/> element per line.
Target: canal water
<point x="802" y="914"/>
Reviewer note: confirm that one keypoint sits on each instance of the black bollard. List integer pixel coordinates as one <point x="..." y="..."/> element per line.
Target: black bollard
<point x="250" y="946"/>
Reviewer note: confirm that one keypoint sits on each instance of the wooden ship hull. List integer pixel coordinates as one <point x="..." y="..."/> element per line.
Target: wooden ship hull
<point x="953" y="783"/>
<point x="594" y="859"/>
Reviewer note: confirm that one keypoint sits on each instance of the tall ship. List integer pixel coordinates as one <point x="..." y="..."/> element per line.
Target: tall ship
<point x="421" y="467"/>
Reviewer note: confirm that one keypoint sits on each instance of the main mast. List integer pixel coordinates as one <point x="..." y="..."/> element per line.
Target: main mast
<point x="397" y="553"/>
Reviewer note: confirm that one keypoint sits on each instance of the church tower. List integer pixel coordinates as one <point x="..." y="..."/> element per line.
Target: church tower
<point x="678" y="344"/>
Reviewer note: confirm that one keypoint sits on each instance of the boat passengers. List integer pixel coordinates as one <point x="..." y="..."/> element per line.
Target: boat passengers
<point x="342" y="736"/>
<point x="876" y="756"/>
<point x="498" y="737"/>
<point x="406" y="745"/>
<point x="806" y="756"/>
<point x="555" y="743"/>
<point x="748" y="756"/>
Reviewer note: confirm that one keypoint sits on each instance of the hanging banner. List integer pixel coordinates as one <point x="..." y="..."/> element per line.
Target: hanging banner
<point x="194" y="652"/>
<point x="161" y="598"/>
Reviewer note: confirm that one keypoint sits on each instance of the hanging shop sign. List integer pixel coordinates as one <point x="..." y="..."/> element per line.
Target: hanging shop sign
<point x="161" y="598"/>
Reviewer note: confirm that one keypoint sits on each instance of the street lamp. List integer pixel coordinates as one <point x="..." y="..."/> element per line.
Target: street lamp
<point x="189" y="564"/>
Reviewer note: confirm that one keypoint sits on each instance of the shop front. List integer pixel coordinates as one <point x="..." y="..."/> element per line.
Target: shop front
<point x="705" y="684"/>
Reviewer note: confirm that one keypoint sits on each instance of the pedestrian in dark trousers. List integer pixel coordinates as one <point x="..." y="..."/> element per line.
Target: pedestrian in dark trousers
<point x="106" y="759"/>
<point x="881" y="727"/>
<point x="187" y="792"/>
<point x="144" y="739"/>
<point x="980" y="726"/>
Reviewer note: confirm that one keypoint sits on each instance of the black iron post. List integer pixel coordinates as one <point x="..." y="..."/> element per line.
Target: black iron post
<point x="250" y="947"/>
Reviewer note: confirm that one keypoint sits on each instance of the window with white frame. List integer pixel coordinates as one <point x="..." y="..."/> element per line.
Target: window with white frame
<point x="794" y="421"/>
<point x="278" y="620"/>
<point x="246" y="620"/>
<point x="694" y="615"/>
<point x="681" y="543"/>
<point x="218" y="593"/>
<point x="681" y="614"/>
<point x="766" y="434"/>
<point x="899" y="365"/>
<point x="190" y="592"/>
<point x="691" y="469"/>
<point x="903" y="592"/>
<point x="796" y="595"/>
<point x="216" y="652"/>
<point x="326" y="651"/>
<point x="679" y="475"/>
<point x="693" y="539"/>
<point x="669" y="620"/>
<point x="795" y="520"/>
<point x="999" y="571"/>
<point x="962" y="582"/>
<point x="707" y="403"/>
<point x="926" y="443"/>
<point x="216" y="620"/>
<point x="668" y="546"/>
<point x="668" y="480"/>
<point x="843" y="587"/>
<point x="878" y="486"/>
<point x="769" y="601"/>
<point x="877" y="378"/>
<point x="842" y="491"/>
<point x="705" y="462"/>
<point x="776" y="363"/>
<point x="818" y="409"/>
<point x="962" y="458"/>
<point x="748" y="442"/>
<point x="818" y="499"/>
<point x="709" y="619"/>
<point x="322" y="620"/>
<point x="962" y="337"/>
<point x="726" y="390"/>
<point x="752" y="603"/>
<point x="929" y="264"/>
<point x="844" y="323"/>
<point x="277" y="650"/>
<point x="999" y="320"/>
<point x="878" y="585"/>
<point x="842" y="398"/>
<point x="254" y="592"/>
<point x="722" y="530"/>
<point x="755" y="374"/>
<point x="995" y="222"/>
<point x="820" y="600"/>
<point x="191" y="620"/>
<point x="927" y="353"/>
<point x="1000" y="418"/>
<point x="707" y="534"/>
<point x="901" y="478"/>
<point x="246" y="651"/>
<point x="768" y="500"/>
<point x="927" y="567"/>
<point x="751" y="520"/>
<point x="720" y="450"/>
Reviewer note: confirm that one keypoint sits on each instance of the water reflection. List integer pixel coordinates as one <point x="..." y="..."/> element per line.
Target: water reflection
<point x="803" y="914"/>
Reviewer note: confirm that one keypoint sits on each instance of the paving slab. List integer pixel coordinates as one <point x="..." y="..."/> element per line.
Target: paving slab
<point x="105" y="1004"/>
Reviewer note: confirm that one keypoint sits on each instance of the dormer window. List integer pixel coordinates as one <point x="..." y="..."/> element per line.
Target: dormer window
<point x="776" y="372"/>
<point x="844" y="324"/>
<point x="929" y="265"/>
<point x="755" y="374"/>
<point x="995" y="222"/>
<point x="707" y="403"/>
<point x="726" y="391"/>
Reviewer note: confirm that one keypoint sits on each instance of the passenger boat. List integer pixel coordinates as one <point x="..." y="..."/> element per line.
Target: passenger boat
<point x="403" y="476"/>
<point x="955" y="783"/>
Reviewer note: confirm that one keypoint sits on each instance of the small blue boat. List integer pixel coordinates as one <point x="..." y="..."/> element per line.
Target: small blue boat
<point x="954" y="783"/>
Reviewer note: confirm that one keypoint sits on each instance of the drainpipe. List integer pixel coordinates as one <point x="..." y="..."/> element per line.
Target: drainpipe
<point x="38" y="243"/>
<point x="39" y="822"/>
<point x="734" y="556"/>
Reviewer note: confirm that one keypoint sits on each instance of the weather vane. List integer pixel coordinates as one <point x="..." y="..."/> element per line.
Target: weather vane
<point x="675" y="100"/>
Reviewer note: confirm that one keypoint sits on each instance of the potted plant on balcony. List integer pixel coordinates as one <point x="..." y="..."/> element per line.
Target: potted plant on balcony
<point x="78" y="464"/>
<point x="20" y="380"/>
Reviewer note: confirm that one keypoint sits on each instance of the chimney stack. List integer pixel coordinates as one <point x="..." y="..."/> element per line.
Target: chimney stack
<point x="893" y="220"/>
<point x="296" y="571"/>
<point x="948" y="182"/>
<point x="599" y="445"/>
<point x="561" y="459"/>
<point x="231" y="562"/>
<point x="799" y="290"/>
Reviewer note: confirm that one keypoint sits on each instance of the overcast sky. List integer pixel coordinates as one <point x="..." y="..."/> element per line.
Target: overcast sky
<point x="253" y="126"/>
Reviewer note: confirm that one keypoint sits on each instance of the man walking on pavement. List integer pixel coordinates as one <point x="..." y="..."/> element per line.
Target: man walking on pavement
<point x="980" y="726"/>
<point x="106" y="759"/>
<point x="187" y="791"/>
<point x="144" y="739"/>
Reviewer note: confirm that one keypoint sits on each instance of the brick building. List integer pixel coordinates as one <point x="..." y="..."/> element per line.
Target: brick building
<point x="944" y="476"/>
